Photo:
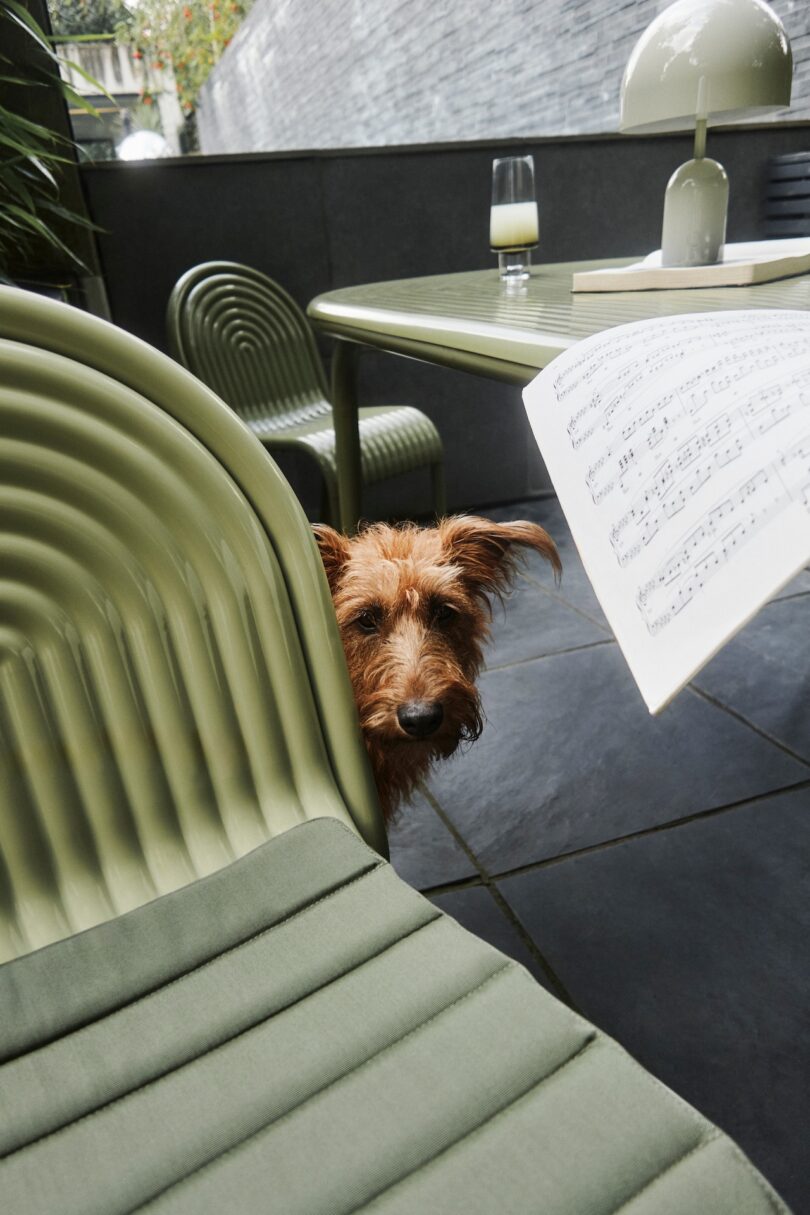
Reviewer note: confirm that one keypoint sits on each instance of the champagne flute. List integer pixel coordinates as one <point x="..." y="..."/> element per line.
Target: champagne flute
<point x="513" y="223"/>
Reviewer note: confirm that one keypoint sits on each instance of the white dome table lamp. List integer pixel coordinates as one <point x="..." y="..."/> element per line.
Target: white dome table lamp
<point x="701" y="62"/>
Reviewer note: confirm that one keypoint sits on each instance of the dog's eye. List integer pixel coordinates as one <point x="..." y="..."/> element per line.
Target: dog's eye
<point x="443" y="613"/>
<point x="368" y="621"/>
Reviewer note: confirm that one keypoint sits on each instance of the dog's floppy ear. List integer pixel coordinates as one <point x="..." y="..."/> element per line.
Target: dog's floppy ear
<point x="485" y="550"/>
<point x="334" y="551"/>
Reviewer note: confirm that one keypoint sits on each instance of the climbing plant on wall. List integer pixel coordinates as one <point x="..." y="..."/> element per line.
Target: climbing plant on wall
<point x="189" y="36"/>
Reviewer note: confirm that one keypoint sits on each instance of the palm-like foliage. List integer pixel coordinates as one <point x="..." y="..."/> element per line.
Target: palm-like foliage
<point x="32" y="155"/>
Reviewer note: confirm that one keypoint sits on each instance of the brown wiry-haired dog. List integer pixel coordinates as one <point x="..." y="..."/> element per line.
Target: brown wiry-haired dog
<point x="413" y="609"/>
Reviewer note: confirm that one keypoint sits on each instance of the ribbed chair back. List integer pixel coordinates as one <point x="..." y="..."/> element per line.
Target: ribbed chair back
<point x="245" y="337"/>
<point x="172" y="685"/>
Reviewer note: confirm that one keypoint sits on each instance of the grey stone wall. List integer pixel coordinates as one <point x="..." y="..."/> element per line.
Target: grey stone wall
<point x="363" y="73"/>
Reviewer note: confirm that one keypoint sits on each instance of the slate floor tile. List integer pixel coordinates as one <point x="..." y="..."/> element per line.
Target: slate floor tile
<point x="531" y="623"/>
<point x="570" y="757"/>
<point x="423" y="851"/>
<point x="691" y="946"/>
<point x="575" y="588"/>
<point x="764" y="672"/>
<point x="799" y="586"/>
<point x="476" y="910"/>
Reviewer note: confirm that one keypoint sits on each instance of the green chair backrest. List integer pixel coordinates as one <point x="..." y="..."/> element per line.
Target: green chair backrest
<point x="172" y="684"/>
<point x="245" y="337"/>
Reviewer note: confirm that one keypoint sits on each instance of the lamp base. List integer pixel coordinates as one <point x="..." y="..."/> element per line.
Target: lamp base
<point x="695" y="208"/>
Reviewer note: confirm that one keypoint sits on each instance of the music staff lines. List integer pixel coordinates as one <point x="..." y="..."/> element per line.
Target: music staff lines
<point x="665" y="492"/>
<point x="733" y="331"/>
<point x="698" y="555"/>
<point x="615" y="400"/>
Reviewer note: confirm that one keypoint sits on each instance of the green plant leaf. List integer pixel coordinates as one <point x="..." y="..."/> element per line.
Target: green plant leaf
<point x="14" y="185"/>
<point x="71" y="216"/>
<point x="27" y="151"/>
<point x="44" y="170"/>
<point x="22" y="17"/>
<point x="70" y="95"/>
<point x="63" y="39"/>
<point x="77" y="67"/>
<point x="11" y="142"/>
<point x="9" y="219"/>
<point x="33" y="175"/>
<point x="36" y="84"/>
<point x="44" y="133"/>
<point x="30" y="152"/>
<point x="41" y="229"/>
<point x="31" y="221"/>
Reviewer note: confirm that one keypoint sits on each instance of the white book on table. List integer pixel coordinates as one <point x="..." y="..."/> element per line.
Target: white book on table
<point x="679" y="448"/>
<point x="743" y="264"/>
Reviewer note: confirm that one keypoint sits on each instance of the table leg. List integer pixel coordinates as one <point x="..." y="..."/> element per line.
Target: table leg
<point x="347" y="434"/>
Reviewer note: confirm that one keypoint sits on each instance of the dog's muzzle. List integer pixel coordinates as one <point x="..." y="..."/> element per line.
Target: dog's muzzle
<point x="420" y="718"/>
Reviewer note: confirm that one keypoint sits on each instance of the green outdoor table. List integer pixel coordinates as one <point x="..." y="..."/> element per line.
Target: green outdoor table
<point x="470" y="321"/>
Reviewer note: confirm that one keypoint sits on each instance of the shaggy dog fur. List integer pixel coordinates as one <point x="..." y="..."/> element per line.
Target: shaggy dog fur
<point x="413" y="606"/>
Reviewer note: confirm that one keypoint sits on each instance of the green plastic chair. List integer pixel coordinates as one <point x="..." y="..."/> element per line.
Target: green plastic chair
<point x="244" y="336"/>
<point x="289" y="1028"/>
<point x="173" y="690"/>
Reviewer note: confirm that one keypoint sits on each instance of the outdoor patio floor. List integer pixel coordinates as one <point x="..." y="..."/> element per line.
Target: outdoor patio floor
<point x="654" y="872"/>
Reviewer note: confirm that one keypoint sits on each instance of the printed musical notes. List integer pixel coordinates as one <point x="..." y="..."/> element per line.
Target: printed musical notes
<point x="680" y="450"/>
<point x="699" y="555"/>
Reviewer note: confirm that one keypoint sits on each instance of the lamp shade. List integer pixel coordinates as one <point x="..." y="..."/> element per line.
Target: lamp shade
<point x="738" y="48"/>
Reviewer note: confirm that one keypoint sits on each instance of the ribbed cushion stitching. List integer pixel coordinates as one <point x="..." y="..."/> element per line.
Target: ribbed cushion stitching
<point x="255" y="936"/>
<point x="702" y="1123"/>
<point x="714" y="1135"/>
<point x="191" y="1060"/>
<point x="270" y="1127"/>
<point x="660" y="1176"/>
<point x="740" y="1155"/>
<point x="275" y="1122"/>
<point x="474" y="1130"/>
<point x="661" y="1089"/>
<point x="378" y="862"/>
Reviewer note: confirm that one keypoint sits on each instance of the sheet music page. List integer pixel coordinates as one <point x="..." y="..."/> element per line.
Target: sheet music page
<point x="679" y="448"/>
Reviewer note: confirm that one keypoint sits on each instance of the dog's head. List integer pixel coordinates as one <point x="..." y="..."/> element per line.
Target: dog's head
<point x="413" y="606"/>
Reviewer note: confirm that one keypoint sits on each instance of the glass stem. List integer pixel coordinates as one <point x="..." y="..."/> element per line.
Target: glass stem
<point x="515" y="264"/>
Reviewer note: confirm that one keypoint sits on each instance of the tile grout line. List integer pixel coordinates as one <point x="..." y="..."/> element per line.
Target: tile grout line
<point x="645" y="832"/>
<point x="503" y="906"/>
<point x="559" y="598"/>
<point x="490" y="881"/>
<point x="692" y="686"/>
<point x="468" y="883"/>
<point x="571" y="649"/>
<point x="696" y="690"/>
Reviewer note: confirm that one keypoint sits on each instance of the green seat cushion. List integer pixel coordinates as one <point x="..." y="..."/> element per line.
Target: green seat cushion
<point x="302" y="1033"/>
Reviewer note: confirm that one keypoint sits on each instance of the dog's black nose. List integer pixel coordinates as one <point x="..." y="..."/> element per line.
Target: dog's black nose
<point x="420" y="718"/>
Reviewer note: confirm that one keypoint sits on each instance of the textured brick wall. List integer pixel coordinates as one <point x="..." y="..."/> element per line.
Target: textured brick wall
<point x="361" y="73"/>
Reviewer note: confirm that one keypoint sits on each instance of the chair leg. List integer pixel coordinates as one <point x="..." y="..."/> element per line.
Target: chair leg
<point x="345" y="418"/>
<point x="439" y="489"/>
<point x="330" y="501"/>
<point x="326" y="512"/>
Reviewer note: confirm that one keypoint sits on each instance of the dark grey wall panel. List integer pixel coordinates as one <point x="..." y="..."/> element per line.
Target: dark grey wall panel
<point x="321" y="220"/>
<point x="160" y="218"/>
<point x="415" y="212"/>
